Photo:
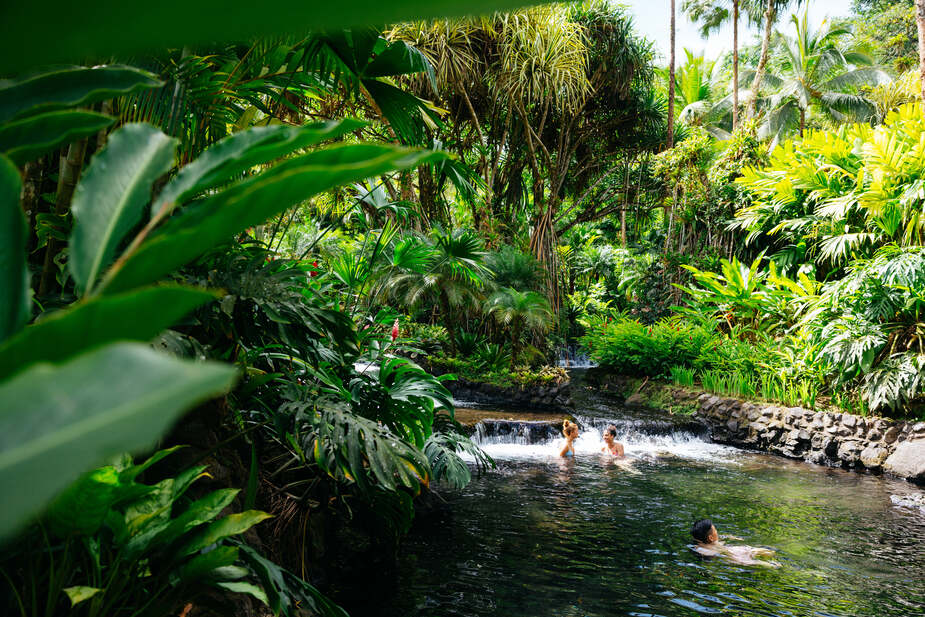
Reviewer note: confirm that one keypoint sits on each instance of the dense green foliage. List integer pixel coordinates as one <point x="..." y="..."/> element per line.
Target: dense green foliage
<point x="290" y="234"/>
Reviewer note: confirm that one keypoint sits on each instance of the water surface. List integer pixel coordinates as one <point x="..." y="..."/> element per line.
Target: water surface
<point x="540" y="536"/>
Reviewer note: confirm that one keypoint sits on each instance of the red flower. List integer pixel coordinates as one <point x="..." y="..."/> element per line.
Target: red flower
<point x="313" y="273"/>
<point x="395" y="330"/>
<point x="315" y="264"/>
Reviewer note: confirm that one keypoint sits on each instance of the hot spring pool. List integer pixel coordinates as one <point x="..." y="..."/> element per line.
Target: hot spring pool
<point x="543" y="537"/>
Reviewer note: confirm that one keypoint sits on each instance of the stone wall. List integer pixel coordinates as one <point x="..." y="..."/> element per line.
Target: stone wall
<point x="835" y="439"/>
<point x="550" y="397"/>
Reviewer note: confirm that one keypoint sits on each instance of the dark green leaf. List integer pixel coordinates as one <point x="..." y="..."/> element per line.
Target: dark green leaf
<point x="53" y="427"/>
<point x="136" y="316"/>
<point x="109" y="28"/>
<point x="200" y="566"/>
<point x="218" y="218"/>
<point x="111" y="196"/>
<point x="65" y="87"/>
<point x="28" y="139"/>
<point x="231" y="525"/>
<point x="242" y="151"/>
<point x="14" y="277"/>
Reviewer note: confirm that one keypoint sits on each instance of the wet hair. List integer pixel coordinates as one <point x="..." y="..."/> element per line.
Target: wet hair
<point x="610" y="430"/>
<point x="701" y="530"/>
<point x="568" y="426"/>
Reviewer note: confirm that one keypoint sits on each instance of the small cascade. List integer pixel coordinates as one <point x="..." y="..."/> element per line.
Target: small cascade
<point x="571" y="357"/>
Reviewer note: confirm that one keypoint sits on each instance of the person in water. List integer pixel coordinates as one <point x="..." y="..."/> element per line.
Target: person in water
<point x="570" y="431"/>
<point x="611" y="445"/>
<point x="710" y="545"/>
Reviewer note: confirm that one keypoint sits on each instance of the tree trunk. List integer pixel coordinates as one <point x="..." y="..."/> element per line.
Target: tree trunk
<point x="802" y="121"/>
<point x="920" y="23"/>
<point x="671" y="61"/>
<point x="735" y="64"/>
<point x="769" y="16"/>
<point x="68" y="174"/>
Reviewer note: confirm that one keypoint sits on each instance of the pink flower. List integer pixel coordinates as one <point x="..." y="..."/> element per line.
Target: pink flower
<point x="395" y="330"/>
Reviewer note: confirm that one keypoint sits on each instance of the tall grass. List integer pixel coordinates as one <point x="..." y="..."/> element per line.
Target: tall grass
<point x="683" y="376"/>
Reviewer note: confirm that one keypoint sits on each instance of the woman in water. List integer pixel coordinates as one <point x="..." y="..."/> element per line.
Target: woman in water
<point x="570" y="431"/>
<point x="710" y="545"/>
<point x="610" y="444"/>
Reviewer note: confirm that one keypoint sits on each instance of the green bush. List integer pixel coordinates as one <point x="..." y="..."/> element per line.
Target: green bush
<point x="631" y="348"/>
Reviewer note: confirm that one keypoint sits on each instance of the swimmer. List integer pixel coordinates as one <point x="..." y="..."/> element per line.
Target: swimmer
<point x="611" y="445"/>
<point x="570" y="431"/>
<point x="709" y="545"/>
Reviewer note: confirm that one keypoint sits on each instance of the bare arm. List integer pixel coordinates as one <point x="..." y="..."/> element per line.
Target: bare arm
<point x="568" y="446"/>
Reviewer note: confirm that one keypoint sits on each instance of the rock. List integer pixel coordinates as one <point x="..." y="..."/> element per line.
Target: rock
<point x="872" y="456"/>
<point x="827" y="420"/>
<point x="891" y="434"/>
<point x="919" y="428"/>
<point x="843" y="431"/>
<point x="849" y="420"/>
<point x="849" y="452"/>
<point x="874" y="435"/>
<point x="908" y="460"/>
<point x="733" y="426"/>
<point x="914" y="502"/>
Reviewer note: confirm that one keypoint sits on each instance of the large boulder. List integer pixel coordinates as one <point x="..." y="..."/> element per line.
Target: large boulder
<point x="908" y="460"/>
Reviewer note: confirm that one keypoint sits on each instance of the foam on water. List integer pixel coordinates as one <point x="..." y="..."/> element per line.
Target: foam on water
<point x="590" y="441"/>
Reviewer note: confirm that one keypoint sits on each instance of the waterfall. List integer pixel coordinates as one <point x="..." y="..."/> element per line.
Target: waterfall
<point x="571" y="357"/>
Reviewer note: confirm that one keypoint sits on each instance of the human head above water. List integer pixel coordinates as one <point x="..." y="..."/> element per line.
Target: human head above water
<point x="704" y="531"/>
<point x="610" y="431"/>
<point x="569" y="428"/>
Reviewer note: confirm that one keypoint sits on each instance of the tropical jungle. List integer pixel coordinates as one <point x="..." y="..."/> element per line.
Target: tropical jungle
<point x="261" y="265"/>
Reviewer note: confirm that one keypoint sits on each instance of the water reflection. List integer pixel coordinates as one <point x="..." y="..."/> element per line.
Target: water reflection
<point x="546" y="537"/>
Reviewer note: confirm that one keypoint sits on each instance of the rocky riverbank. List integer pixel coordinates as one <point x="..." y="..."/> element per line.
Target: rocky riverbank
<point x="551" y="397"/>
<point x="827" y="438"/>
<point x="873" y="444"/>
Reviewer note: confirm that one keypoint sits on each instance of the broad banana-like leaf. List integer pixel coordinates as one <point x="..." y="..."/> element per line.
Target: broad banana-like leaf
<point x="245" y="587"/>
<point x="14" y="276"/>
<point x="27" y="139"/>
<point x="53" y="427"/>
<point x="110" y="29"/>
<point x="110" y="197"/>
<point x="242" y="151"/>
<point x="218" y="218"/>
<point x="69" y="86"/>
<point x="135" y="316"/>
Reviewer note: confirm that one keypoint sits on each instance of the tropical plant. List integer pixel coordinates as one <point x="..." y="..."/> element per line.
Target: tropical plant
<point x="113" y="544"/>
<point x="521" y="311"/>
<point x="815" y="71"/>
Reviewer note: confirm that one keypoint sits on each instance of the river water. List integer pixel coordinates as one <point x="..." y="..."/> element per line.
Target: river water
<point x="540" y="536"/>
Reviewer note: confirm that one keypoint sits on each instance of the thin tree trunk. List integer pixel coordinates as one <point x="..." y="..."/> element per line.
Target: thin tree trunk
<point x="515" y="345"/>
<point x="68" y="174"/>
<point x="802" y="121"/>
<point x="920" y="24"/>
<point x="671" y="62"/>
<point x="769" y="15"/>
<point x="735" y="64"/>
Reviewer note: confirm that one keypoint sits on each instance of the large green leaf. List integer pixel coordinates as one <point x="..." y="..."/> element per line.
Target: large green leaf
<point x="136" y="316"/>
<point x="69" y="86"/>
<point x="53" y="426"/>
<point x="27" y="139"/>
<point x="14" y="277"/>
<point x="199" y="512"/>
<point x="231" y="525"/>
<point x="241" y="151"/>
<point x="111" y="27"/>
<point x="111" y="196"/>
<point x="200" y="566"/>
<point x="218" y="218"/>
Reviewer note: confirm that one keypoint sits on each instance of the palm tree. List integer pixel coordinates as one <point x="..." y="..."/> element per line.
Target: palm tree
<point x="447" y="268"/>
<point x="712" y="15"/>
<point x="519" y="311"/>
<point x="671" y="84"/>
<point x="816" y="71"/>
<point x="772" y="9"/>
